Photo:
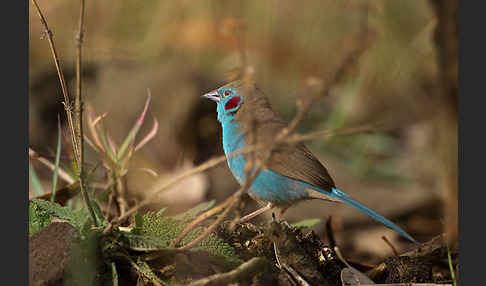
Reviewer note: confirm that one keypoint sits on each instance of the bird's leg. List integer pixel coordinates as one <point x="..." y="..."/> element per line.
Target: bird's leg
<point x="257" y="212"/>
<point x="278" y="215"/>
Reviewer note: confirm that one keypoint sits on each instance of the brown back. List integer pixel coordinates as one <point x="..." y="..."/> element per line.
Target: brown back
<point x="294" y="161"/>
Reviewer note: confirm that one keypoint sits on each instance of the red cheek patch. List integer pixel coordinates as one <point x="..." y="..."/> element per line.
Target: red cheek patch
<point x="232" y="103"/>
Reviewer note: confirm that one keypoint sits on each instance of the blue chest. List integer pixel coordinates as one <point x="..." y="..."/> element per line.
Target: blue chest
<point x="232" y="141"/>
<point x="268" y="185"/>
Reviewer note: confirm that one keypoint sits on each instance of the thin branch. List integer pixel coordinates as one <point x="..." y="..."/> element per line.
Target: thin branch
<point x="395" y="252"/>
<point x="243" y="272"/>
<point x="165" y="185"/>
<point x="57" y="62"/>
<point x="60" y="172"/>
<point x="295" y="275"/>
<point x="75" y="132"/>
<point x="200" y="219"/>
<point x="330" y="232"/>
<point x="78" y="107"/>
<point x="234" y="199"/>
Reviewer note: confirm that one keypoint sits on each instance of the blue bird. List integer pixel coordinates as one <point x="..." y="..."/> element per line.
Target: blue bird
<point x="293" y="173"/>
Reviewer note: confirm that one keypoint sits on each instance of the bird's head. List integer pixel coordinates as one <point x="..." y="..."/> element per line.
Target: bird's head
<point x="229" y="99"/>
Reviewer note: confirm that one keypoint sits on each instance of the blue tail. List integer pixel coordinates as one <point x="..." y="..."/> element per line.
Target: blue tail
<point x="349" y="201"/>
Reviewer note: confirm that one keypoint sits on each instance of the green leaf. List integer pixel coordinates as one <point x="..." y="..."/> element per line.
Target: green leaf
<point x="80" y="219"/>
<point x="157" y="232"/>
<point x="307" y="223"/>
<point x="138" y="223"/>
<point x="145" y="269"/>
<point x="451" y="267"/>
<point x="144" y="242"/>
<point x="130" y="139"/>
<point x="99" y="214"/>
<point x="38" y="219"/>
<point x="163" y="228"/>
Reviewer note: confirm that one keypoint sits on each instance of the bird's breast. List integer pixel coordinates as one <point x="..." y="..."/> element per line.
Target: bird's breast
<point x="233" y="140"/>
<point x="268" y="185"/>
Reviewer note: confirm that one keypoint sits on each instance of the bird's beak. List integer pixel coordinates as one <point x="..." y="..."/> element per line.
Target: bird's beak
<point x="212" y="95"/>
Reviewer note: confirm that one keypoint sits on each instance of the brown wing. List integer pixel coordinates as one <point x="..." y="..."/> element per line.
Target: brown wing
<point x="294" y="161"/>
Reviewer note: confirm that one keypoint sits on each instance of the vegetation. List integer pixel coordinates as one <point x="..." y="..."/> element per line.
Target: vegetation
<point x="371" y="87"/>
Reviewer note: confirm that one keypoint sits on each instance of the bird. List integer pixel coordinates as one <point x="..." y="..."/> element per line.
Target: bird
<point x="292" y="173"/>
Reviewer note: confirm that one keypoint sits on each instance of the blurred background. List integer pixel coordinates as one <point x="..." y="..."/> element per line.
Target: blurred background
<point x="405" y="76"/>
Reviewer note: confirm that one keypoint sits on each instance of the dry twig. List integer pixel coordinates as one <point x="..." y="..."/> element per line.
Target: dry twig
<point x="60" y="172"/>
<point x="395" y="252"/>
<point x="60" y="74"/>
<point x="245" y="271"/>
<point x="76" y="133"/>
<point x="78" y="107"/>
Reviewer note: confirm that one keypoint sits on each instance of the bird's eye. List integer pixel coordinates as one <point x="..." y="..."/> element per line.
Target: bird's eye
<point x="227" y="93"/>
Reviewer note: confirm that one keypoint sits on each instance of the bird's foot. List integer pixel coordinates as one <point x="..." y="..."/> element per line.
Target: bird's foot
<point x="284" y="222"/>
<point x="276" y="218"/>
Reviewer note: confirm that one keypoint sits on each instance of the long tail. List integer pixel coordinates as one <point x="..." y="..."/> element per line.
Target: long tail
<point x="337" y="194"/>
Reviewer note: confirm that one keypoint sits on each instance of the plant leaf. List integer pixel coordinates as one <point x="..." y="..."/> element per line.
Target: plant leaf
<point x="131" y="135"/>
<point x="99" y="214"/>
<point x="148" y="171"/>
<point x="38" y="219"/>
<point x="80" y="219"/>
<point x="142" y="242"/>
<point x="451" y="267"/>
<point x="106" y="145"/>
<point x="158" y="231"/>
<point x="307" y="223"/>
<point x="149" y="136"/>
<point x="92" y="127"/>
<point x="112" y="143"/>
<point x="145" y="269"/>
<point x="138" y="219"/>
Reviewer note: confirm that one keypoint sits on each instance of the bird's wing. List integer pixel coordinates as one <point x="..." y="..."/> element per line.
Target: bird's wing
<point x="294" y="161"/>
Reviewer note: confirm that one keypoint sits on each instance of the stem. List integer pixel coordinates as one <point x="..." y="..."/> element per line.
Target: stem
<point x="78" y="107"/>
<point x="77" y="140"/>
<point x="60" y="74"/>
